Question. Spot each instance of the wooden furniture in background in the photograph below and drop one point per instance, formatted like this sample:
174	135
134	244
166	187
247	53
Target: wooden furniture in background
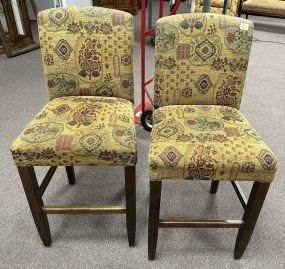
266	8
125	5
17	38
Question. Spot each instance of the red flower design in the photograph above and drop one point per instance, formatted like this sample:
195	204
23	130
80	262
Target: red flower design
120	133
231	37
50	83
125	83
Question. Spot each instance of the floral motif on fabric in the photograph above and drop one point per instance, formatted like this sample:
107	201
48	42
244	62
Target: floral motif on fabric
171	156
64	142
203	84
124	136
202	165
63	49
104	89
39	133
166	37
91	142
167	63
267	160
228	91
183	51
189	24
48	59
248	167
238	40
127	83
204	49
231	114
61	109
84	115
89	58
62	83
204	124
57	18
116	157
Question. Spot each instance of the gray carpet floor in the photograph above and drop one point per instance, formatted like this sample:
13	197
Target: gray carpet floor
98	241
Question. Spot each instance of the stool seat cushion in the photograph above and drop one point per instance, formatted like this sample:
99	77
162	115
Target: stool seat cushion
207	142
85	130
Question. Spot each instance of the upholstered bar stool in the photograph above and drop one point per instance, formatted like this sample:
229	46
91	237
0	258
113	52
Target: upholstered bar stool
198	132
87	55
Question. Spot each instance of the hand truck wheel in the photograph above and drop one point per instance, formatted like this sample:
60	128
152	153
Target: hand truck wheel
152	40
146	119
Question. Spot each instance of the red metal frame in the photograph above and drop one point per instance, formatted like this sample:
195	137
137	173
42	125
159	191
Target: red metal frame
144	34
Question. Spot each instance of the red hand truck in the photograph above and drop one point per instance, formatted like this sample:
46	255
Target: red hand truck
143	112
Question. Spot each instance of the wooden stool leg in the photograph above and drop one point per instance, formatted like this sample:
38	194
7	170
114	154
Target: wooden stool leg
32	191
214	186
130	190
153	219
253	208
70	174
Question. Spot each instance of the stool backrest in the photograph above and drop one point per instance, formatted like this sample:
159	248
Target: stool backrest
87	51
201	58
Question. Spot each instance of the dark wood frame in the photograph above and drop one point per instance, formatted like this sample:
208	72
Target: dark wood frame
133	8
12	43
34	193
246	225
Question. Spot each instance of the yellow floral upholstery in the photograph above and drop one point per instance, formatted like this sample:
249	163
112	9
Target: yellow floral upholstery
88	64
207	142
198	131
217	6
87	51
201	58
79	131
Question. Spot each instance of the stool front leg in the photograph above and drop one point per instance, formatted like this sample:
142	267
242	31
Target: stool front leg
35	201
70	174
153	219
130	192
253	208
214	186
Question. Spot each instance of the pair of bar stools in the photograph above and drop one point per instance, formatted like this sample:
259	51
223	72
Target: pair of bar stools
198	132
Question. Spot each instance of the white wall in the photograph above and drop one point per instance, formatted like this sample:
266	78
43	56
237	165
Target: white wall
76	3
41	5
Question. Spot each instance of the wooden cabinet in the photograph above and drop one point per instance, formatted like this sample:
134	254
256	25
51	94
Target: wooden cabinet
125	5
15	31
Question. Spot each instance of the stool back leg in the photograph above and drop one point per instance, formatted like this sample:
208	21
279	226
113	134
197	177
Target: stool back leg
70	174
214	186
153	221
130	191
34	198
253	208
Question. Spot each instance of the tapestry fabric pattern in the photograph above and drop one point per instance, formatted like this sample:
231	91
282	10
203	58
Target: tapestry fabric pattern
87	51
198	132
207	142
80	130
201	58
87	55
